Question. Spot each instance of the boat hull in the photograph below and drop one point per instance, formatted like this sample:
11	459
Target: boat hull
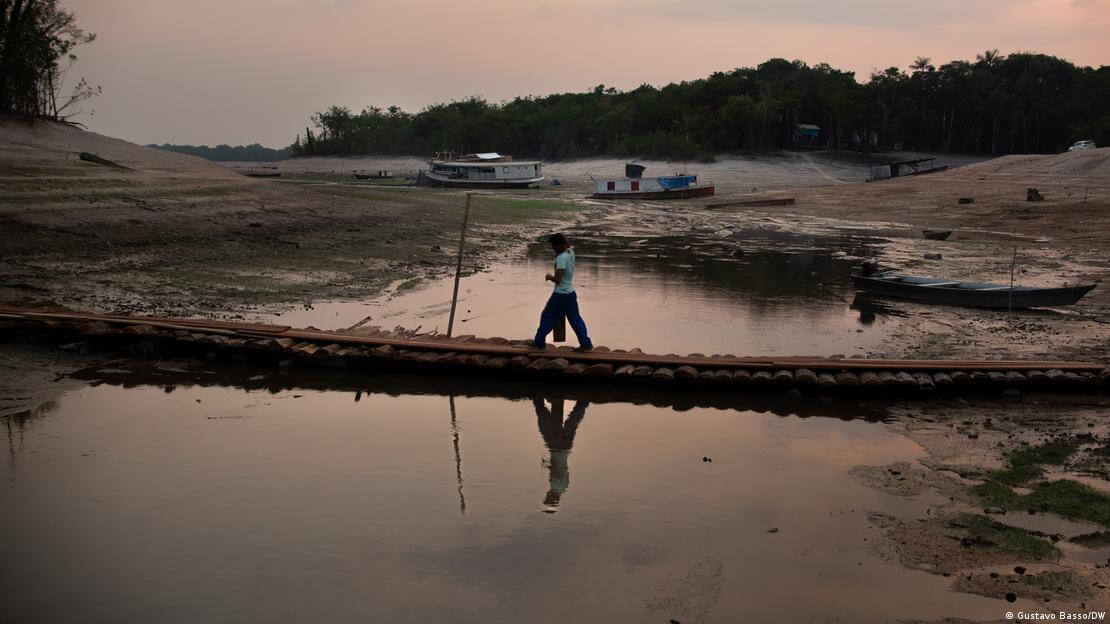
686	193
969	294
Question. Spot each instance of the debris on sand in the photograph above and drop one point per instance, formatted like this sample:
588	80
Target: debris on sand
93	158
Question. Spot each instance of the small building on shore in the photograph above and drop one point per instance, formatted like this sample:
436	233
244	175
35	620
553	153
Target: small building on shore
807	135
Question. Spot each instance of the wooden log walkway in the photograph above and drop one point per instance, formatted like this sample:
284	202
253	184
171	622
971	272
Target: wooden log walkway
500	356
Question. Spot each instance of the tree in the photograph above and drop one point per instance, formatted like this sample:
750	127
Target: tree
37	39
1024	102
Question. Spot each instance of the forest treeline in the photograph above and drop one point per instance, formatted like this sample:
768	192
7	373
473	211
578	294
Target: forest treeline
223	153
996	104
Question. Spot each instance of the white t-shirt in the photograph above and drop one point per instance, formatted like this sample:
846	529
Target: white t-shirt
565	261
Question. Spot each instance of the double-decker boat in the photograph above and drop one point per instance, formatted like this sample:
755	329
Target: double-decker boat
635	186
486	170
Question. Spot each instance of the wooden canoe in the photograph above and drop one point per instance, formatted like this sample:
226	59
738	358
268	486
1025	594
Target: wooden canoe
779	201
972	294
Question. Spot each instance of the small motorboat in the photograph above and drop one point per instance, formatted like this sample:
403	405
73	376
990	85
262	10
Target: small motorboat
936	234
972	294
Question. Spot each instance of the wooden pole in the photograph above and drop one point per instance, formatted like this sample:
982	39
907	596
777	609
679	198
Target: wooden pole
559	332
1013	263
458	266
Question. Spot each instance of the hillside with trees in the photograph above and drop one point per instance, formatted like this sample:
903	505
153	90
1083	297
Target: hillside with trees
1021	103
225	153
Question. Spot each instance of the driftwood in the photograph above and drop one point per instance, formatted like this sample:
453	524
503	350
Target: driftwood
93	158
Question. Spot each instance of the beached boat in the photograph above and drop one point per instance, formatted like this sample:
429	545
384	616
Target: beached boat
487	170
363	174
972	294
936	234
263	171
635	186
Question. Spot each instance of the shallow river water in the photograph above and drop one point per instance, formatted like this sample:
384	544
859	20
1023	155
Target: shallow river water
666	294
140	501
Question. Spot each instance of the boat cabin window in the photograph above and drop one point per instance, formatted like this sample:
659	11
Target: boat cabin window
635	185
610	186
504	169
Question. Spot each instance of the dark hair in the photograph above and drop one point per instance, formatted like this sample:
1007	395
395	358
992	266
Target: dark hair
557	240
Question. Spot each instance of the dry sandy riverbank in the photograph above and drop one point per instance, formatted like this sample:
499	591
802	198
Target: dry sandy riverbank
168	233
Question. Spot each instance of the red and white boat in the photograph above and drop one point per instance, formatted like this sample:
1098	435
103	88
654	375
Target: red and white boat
635	186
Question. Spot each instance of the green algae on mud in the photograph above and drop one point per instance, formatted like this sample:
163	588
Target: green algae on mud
983	532
1064	497
1024	464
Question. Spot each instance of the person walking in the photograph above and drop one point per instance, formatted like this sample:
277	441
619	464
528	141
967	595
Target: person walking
563	300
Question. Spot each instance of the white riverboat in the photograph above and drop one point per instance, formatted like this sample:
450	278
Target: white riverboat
486	170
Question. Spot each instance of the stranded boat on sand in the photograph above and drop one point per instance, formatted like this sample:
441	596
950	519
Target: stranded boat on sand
635	186
973	294
487	170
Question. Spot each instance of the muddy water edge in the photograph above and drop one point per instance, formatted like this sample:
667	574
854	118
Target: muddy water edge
185	491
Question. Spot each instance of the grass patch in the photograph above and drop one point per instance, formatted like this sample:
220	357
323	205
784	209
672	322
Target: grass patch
983	530
1017	475
409	284
1098	539
1055	452
1065	497
367	193
510	210
1024	464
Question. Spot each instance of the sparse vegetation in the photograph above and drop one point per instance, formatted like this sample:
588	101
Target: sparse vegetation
984	532
1024	465
37	39
1063	497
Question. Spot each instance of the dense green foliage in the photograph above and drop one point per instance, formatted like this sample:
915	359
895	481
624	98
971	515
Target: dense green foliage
37	38
1023	103
223	153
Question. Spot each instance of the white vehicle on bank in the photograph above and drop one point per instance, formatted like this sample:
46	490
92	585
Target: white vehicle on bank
1082	145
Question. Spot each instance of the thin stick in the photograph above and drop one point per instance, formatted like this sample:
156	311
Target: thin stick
1010	303
835	279
458	266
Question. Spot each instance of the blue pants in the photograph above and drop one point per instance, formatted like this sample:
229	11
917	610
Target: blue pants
558	306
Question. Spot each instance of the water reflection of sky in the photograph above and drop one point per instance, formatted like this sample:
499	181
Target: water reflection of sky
215	504
665	294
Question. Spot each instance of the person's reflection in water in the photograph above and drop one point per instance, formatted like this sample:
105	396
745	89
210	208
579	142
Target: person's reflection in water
558	436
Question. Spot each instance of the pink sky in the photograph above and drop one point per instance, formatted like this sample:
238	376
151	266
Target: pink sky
244	71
